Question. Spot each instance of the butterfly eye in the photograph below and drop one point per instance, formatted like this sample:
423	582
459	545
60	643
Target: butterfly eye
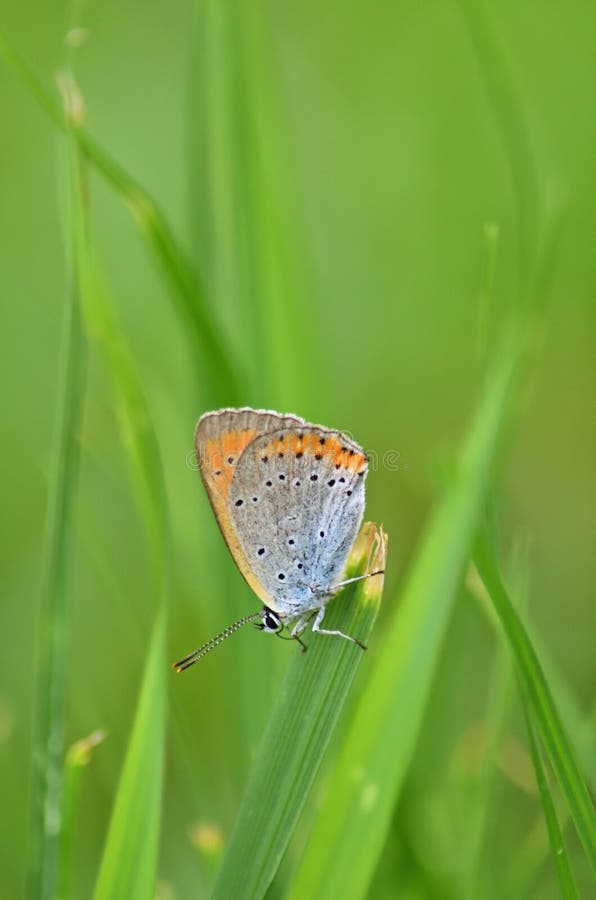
271	622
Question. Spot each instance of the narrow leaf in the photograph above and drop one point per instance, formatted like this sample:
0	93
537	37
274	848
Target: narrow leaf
511	121
558	850
129	862
308	705
479	814
171	259
75	764
46	784
356	812
544	710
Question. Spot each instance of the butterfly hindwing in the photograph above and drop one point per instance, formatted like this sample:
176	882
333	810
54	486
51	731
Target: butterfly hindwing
296	502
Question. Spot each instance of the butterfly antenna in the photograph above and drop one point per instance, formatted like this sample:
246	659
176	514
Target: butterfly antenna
214	642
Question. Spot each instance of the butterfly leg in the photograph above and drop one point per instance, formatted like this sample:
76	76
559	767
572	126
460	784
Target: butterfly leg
300	625
293	637
301	642
318	630
358	578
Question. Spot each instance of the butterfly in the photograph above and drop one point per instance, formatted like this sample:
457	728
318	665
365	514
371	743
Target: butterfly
288	497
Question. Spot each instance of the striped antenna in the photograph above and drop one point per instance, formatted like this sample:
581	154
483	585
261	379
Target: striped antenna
200	652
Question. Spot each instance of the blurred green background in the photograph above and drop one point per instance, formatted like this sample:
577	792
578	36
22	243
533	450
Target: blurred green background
334	186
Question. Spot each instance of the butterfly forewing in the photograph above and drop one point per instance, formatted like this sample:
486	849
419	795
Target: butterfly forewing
220	439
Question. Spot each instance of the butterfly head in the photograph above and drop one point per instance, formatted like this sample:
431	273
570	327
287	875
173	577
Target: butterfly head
270	622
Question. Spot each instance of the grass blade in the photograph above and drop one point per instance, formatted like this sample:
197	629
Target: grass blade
519	578
511	124
103	328
479	811
245	211
560	857
544	711
535	849
280	260
299	729
479	815
47	748
129	862
77	760
356	812
171	259
222	199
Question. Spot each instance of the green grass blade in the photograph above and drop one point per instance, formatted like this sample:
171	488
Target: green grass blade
103	328
544	710
228	242
279	258
181	277
129	862
558	850
479	816
480	810
172	261
299	729
76	762
567	885
535	849
356	812
512	128
245	213
47	747
222	199
577	721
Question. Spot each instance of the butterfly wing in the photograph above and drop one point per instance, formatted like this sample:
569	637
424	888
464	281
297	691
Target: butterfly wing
295	503
220	439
